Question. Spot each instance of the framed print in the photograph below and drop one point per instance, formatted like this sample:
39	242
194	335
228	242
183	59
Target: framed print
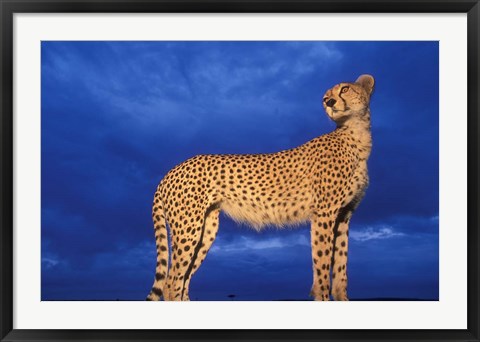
239	170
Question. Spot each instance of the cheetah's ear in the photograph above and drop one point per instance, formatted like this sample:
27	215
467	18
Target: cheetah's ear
367	82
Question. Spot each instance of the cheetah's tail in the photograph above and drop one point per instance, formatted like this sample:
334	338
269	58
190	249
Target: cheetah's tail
161	240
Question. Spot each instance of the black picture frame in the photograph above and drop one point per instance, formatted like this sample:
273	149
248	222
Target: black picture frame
9	7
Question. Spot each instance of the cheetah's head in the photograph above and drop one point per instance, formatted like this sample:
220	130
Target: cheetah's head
346	100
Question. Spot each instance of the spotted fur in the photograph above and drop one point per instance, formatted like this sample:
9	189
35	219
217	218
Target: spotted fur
321	182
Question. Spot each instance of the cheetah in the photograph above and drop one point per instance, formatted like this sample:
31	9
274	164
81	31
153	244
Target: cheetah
321	182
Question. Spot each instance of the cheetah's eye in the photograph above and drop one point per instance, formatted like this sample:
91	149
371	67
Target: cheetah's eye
344	89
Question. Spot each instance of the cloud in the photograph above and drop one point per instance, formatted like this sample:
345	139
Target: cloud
48	263
307	61
255	243
374	234
126	256
396	226
124	272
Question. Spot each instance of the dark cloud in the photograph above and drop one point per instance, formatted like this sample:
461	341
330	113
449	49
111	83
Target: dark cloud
116	116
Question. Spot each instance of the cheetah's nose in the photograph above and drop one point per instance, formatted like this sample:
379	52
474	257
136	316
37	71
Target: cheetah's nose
330	102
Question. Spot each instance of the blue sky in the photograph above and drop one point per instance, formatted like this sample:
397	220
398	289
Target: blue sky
116	116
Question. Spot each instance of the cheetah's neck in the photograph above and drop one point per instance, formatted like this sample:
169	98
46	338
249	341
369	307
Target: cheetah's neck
358	129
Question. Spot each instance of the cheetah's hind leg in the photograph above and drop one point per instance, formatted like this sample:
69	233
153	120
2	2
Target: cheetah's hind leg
188	251
210	233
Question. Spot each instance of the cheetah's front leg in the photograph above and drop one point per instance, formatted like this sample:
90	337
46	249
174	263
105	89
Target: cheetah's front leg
322	246
339	270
